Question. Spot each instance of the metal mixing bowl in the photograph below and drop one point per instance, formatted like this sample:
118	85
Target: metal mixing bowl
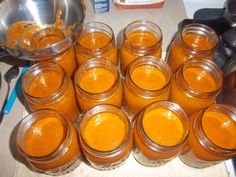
41	12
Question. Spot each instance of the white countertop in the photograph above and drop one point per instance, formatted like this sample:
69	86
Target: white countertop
168	19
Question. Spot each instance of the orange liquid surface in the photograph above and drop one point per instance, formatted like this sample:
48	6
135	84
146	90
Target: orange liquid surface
179	54
200	79
138	39
45	84
105	131
44	136
220	129
198	42
97	80
95	40
163	127
98	41
148	77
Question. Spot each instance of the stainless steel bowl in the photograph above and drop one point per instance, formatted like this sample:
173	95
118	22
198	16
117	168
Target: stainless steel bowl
42	12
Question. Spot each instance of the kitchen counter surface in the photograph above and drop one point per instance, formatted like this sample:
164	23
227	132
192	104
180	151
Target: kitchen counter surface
167	18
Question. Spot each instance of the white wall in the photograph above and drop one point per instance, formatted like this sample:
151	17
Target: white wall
192	5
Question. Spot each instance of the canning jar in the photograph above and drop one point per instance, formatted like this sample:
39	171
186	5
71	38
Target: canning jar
212	137
140	38
45	85
160	132
49	142
196	84
49	36
96	40
193	41
97	81
105	134
147	80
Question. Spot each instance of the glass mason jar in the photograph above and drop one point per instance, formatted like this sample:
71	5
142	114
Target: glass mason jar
106	138
196	85
97	81
34	142
140	38
193	41
160	133
212	137
147	80
45	85
96	40
49	36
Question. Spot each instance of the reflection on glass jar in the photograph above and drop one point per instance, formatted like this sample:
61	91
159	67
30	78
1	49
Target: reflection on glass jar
105	134
160	132
49	142
212	136
193	41
140	38
196	84
96	40
97	81
49	36
147	80
45	85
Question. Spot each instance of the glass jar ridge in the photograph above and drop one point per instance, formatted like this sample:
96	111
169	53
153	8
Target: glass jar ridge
65	157
61	99
200	150
192	97
140	38
193	41
137	97
106	159
102	47
150	153
112	95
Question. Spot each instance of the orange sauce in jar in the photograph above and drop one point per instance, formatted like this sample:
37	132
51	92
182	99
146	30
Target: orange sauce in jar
194	41
105	135
140	38
99	84
50	88
96	40
49	36
159	133
147	80
194	87
212	137
49	142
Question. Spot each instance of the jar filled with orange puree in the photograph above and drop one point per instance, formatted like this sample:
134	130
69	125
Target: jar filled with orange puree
140	38
196	84
193	41
49	36
96	40
212	137
46	85
49	142
147	80
160	133
105	134
97	81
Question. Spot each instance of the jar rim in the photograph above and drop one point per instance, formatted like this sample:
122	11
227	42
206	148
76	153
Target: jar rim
203	29
93	63
26	123
144	26
148	61
101	109
95	27
35	70
173	107
209	66
206	142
